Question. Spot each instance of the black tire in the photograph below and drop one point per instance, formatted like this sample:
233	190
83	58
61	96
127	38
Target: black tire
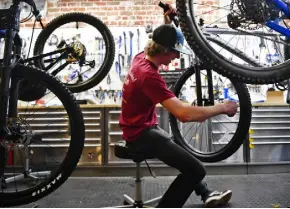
239	136
100	26
74	152
227	68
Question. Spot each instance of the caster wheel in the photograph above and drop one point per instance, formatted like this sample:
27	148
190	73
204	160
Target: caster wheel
125	203
3	184
32	183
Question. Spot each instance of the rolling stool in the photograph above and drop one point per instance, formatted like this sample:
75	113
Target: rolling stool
122	151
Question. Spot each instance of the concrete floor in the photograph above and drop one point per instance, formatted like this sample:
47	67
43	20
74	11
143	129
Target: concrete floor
249	191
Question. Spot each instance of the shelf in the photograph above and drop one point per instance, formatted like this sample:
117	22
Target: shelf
269	143
57	119
66	139
42	112
271	116
270	128
62	124
270	137
116	133
269	122
114	111
63	131
61	145
270	110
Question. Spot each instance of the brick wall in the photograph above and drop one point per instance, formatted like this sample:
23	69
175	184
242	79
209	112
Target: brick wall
112	12
118	12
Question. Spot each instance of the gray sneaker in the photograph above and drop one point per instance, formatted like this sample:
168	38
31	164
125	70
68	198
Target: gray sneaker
216	198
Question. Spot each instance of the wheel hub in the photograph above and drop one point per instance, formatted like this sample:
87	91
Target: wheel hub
78	52
18	132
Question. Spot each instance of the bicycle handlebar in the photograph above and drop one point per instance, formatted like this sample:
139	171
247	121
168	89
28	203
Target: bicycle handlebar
173	17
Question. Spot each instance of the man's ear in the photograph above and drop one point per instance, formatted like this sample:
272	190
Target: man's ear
167	50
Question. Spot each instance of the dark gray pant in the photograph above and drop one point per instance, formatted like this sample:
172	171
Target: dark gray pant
155	142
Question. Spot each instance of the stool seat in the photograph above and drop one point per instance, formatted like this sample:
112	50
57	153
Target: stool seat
123	151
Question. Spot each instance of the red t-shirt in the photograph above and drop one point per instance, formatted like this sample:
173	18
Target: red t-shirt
143	88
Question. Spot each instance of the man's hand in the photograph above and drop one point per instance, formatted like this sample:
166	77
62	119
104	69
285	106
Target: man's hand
170	11
230	108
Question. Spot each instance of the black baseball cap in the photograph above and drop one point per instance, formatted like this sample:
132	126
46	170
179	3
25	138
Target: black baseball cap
171	37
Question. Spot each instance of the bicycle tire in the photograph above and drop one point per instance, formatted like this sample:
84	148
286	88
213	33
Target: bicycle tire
100	26
76	143
227	68
242	129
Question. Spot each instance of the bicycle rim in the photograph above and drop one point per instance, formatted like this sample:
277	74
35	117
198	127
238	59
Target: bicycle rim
220	136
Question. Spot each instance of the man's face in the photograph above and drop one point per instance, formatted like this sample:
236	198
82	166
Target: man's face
167	58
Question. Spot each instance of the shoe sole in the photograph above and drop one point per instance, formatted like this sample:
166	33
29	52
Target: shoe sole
218	200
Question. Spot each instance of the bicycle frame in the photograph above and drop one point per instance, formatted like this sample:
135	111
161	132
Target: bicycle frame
65	51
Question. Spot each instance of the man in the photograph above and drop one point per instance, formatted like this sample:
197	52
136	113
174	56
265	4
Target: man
144	88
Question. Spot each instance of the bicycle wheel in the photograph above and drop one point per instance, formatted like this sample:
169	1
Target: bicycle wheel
46	144
217	138
239	24
89	37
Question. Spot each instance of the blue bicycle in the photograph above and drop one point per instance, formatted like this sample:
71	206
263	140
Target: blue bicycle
258	28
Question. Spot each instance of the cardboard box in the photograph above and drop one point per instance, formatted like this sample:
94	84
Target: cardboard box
275	97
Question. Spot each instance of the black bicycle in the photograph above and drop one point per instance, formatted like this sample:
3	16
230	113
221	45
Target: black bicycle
77	46
220	137
22	134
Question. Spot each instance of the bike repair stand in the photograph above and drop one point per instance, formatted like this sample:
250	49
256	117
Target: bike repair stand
27	172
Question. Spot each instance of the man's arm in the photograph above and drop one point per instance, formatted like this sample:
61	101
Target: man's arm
187	113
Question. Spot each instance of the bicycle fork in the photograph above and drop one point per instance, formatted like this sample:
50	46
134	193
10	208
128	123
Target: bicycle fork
11	95
203	101
5	91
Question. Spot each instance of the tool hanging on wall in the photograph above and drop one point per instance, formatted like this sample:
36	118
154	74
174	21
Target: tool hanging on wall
122	67
53	40
96	49
99	52
125	59
109	79
138	40
118	67
102	50
126	56
118	62
131	34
